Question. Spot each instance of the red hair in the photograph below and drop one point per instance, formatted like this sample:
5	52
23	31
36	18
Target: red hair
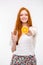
19	23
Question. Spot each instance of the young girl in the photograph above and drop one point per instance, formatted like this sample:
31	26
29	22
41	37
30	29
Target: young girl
23	40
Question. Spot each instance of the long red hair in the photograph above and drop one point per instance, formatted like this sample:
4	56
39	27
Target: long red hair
19	23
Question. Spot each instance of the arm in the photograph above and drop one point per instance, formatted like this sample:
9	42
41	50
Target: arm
13	48
14	39
33	31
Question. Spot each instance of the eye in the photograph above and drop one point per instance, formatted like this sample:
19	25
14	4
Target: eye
21	14
26	14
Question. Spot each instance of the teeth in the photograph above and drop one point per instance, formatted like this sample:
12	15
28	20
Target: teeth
24	18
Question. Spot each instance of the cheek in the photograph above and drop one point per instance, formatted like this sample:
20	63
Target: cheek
21	17
27	17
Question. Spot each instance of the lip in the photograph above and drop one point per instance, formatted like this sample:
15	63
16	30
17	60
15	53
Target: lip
24	18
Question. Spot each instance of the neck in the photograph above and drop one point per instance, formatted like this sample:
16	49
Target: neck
24	24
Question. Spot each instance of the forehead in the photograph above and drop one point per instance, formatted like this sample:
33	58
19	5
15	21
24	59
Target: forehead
23	11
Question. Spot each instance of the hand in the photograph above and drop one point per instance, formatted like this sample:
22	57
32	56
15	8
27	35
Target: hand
14	37
29	33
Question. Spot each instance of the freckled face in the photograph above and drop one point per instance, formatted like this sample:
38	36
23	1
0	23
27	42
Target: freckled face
24	16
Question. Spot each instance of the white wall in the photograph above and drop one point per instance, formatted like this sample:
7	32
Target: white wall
8	13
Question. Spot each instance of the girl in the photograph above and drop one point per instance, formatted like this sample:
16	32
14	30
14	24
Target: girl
23	45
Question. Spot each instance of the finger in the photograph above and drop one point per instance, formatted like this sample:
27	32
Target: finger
17	33
12	33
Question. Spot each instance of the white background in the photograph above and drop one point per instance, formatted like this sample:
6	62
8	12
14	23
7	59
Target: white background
8	13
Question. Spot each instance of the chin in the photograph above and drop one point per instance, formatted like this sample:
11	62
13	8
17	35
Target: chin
24	21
